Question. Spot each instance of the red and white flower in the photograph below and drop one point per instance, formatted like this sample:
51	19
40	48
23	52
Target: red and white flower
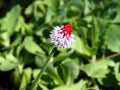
62	36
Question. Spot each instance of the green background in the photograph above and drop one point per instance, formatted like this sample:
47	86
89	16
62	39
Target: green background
92	62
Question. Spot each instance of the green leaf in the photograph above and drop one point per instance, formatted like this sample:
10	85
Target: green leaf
81	47
5	39
28	10
108	81
44	81
6	65
23	27
40	60
95	33
38	9
68	71
26	77
25	57
31	46
16	41
36	72
117	18
112	38
81	85
87	9
96	69
49	15
73	11
52	3
16	77
117	71
50	69
43	87
9	23
63	55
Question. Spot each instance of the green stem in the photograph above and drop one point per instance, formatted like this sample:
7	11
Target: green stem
37	79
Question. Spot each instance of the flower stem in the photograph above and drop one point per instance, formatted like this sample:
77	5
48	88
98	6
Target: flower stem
37	79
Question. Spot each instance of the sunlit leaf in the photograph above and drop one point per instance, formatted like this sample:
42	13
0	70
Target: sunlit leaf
80	46
31	46
10	20
112	38
117	71
26	77
68	71
96	69
50	69
9	23
52	3
49	15
108	81
81	85
6	65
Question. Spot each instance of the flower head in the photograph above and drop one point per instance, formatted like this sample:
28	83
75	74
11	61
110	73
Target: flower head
62	36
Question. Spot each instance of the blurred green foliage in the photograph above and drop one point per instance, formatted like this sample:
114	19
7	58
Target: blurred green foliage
90	63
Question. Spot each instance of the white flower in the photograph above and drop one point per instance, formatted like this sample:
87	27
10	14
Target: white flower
62	36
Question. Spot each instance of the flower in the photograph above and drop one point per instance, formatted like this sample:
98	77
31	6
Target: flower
62	36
